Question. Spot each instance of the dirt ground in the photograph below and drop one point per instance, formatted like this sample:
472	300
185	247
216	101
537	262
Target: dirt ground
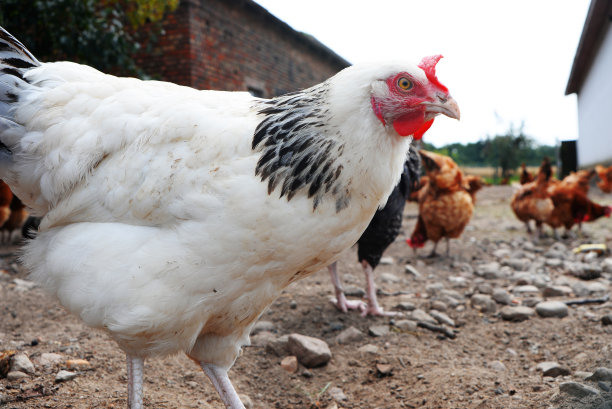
491	363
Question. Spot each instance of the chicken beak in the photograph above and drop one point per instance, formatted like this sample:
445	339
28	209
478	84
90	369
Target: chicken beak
446	105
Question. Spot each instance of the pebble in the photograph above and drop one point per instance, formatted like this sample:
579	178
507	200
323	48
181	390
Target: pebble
577	390
64	375
23	285
498	366
518	264
439	305
552	369
556	309
484	288
278	346
490	270
246	401
606	319
516	314
406	325
434	288
368	349
337	394
483	302
606	265
310	352
378	330
21	363
349	335
420	315
601	374
524	290
263	326
389	278
387	261
405	306
289	363
442	318
557	291
16	375
412	271
49	359
80	364
501	296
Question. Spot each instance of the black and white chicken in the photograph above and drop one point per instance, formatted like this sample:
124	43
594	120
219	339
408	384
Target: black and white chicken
141	187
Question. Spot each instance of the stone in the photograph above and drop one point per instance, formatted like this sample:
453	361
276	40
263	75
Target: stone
262	338
490	270
21	362
553	262
501	296
442	318
439	305
64	375
80	364
606	319
47	359
412	271
378	330
420	315
557	291
387	261
498	366
606	265
389	278
384	369
368	349
483	303
405	306
337	394
577	390
518	264
290	363
263	326
502	253
16	375
524	290
556	309
310	352
601	374
484	288
278	346
434	288
406	325
552	369
584	271
349	335
516	314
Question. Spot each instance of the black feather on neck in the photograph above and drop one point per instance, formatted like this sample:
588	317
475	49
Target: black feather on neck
299	149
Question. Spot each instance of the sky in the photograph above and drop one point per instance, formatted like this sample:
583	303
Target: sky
506	62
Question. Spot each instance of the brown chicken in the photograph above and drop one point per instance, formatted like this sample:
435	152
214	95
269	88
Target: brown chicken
445	206
5	201
525	176
579	180
605	176
473	184
532	201
17	218
572	205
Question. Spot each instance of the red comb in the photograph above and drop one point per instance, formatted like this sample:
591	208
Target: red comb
428	64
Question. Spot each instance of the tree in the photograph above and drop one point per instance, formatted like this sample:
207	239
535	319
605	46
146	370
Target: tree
102	33
504	151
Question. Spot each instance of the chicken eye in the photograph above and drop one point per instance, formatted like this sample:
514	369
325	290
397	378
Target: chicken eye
404	83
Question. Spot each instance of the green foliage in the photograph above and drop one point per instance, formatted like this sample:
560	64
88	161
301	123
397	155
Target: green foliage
103	34
503	152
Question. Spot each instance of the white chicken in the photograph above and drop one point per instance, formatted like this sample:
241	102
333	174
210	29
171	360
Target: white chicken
173	217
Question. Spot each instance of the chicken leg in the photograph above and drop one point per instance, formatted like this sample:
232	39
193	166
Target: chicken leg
223	385
135	369
373	307
340	301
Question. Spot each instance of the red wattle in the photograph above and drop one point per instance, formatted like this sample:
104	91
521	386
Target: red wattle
421	131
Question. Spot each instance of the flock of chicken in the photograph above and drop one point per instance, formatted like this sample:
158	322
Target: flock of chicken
559	203
146	233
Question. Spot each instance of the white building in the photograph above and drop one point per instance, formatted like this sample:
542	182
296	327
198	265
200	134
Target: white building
591	80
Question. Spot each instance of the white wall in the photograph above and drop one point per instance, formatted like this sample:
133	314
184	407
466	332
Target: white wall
594	143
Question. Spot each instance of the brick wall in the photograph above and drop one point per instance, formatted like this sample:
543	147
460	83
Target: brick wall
237	45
